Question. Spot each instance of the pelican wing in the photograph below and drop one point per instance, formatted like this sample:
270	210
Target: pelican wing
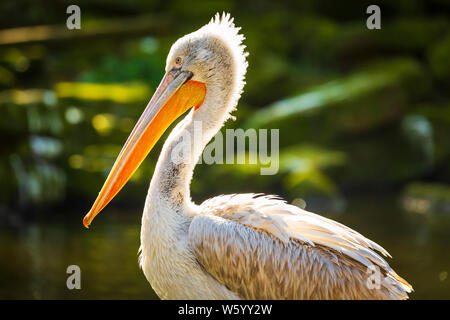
260	247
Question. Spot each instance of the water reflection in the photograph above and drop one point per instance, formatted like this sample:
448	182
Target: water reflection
34	256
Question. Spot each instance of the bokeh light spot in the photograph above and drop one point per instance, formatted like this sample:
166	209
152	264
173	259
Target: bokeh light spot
103	123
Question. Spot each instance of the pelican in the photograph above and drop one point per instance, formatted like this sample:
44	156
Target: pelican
238	246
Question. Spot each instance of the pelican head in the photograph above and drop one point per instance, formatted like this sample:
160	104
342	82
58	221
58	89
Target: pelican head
215	56
205	70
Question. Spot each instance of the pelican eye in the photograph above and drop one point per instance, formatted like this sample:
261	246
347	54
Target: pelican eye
179	61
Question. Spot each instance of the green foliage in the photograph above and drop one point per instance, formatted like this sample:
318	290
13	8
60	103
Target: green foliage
439	55
305	166
356	108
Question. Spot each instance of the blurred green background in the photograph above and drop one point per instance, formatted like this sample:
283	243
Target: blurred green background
364	118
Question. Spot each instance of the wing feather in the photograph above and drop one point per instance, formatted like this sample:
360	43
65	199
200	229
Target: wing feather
263	248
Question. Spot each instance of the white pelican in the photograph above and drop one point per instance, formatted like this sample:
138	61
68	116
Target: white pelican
239	246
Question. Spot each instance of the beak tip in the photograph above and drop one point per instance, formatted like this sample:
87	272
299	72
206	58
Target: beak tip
86	222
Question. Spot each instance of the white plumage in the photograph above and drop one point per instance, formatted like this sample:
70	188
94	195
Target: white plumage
242	246
191	251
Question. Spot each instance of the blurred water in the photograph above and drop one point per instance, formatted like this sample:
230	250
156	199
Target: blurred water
34	256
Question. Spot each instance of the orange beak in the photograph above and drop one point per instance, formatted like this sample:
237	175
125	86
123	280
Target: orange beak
175	94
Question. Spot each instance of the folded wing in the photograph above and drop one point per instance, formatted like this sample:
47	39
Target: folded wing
260	247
